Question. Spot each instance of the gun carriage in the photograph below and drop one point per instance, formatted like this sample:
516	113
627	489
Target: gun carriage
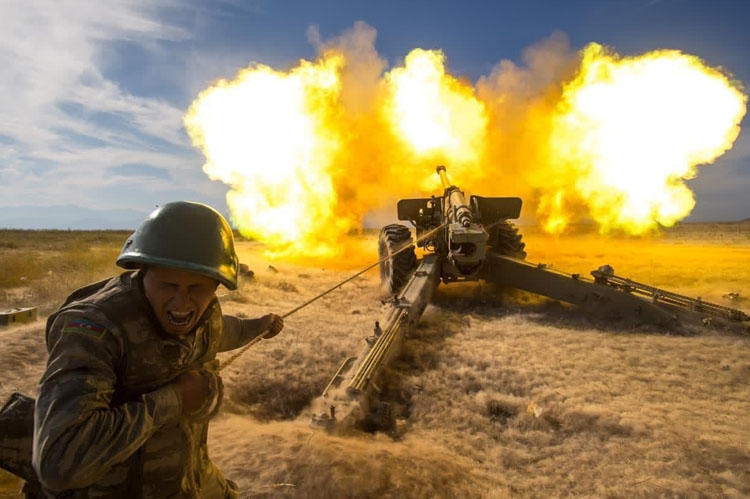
469	241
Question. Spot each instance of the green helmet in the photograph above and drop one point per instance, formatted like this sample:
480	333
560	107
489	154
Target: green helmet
187	236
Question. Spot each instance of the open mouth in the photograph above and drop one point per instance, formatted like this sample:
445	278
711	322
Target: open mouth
179	320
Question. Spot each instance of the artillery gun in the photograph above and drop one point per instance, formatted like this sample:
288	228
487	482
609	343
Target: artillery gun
468	242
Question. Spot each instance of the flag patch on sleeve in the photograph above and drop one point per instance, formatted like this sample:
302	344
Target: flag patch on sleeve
83	326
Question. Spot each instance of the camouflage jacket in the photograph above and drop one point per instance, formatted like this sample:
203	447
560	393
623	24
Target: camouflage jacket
106	422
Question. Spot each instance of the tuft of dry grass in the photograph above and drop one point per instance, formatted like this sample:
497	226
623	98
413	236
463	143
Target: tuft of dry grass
496	393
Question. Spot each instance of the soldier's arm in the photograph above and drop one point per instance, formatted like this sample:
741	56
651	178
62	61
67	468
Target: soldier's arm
238	332
78	435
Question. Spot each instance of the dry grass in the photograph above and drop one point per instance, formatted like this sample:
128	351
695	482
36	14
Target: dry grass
39	268
615	412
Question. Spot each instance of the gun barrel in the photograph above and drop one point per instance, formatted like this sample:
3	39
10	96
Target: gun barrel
457	210
443	176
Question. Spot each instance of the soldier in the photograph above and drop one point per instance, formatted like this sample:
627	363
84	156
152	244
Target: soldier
131	380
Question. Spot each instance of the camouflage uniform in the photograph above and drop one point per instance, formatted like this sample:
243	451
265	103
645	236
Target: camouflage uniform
106	421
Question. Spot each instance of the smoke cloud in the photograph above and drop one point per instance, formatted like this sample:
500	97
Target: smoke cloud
343	137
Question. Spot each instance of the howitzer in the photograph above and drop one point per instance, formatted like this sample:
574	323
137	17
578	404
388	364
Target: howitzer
471	241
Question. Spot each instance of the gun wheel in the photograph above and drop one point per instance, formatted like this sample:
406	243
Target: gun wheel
395	269
506	240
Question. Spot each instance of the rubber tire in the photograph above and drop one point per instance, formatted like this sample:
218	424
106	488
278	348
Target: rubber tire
507	241
395	271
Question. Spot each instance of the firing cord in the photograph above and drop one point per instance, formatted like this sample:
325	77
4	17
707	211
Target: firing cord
252	342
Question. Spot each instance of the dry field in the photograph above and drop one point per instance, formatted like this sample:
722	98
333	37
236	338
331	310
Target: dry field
619	412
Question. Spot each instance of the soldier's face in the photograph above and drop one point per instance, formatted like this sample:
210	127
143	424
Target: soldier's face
178	297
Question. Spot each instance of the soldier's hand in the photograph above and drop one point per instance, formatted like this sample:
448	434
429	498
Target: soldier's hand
272	324
195	389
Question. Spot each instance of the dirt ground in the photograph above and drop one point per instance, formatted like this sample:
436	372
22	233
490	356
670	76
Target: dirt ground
502	394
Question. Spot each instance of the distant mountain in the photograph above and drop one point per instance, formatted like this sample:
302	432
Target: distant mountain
65	217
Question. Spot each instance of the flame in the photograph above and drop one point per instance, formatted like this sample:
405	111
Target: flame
299	158
268	134
310	152
628	131
438	117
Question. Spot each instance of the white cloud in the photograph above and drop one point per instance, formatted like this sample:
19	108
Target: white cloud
50	55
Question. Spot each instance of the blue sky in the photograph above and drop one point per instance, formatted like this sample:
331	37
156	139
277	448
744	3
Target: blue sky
92	93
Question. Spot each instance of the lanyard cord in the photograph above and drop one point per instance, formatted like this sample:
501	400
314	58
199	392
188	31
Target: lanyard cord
424	236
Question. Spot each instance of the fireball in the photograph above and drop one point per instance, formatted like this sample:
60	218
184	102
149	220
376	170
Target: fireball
268	135
436	116
628	131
